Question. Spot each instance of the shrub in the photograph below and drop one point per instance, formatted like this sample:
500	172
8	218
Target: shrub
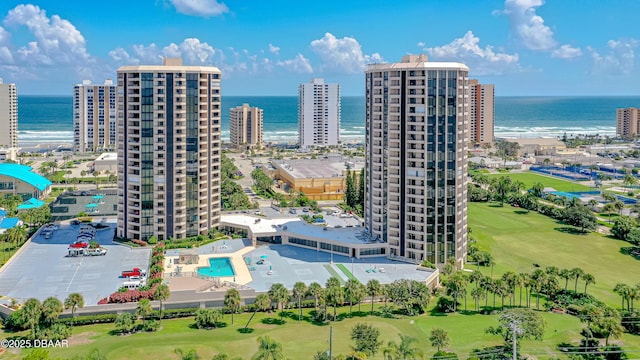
151	325
445	355
139	242
427	264
445	304
152	240
88	319
55	332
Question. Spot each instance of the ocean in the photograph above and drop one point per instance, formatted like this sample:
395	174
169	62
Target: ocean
49	119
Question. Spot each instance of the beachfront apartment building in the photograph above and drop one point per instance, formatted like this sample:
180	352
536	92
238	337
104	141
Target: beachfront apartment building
245	124
318	114
8	115
169	150
417	115
94	116
481	112
628	122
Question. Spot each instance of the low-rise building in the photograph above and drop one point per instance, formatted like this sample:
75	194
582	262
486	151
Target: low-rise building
541	146
318	179
106	162
19	180
8	154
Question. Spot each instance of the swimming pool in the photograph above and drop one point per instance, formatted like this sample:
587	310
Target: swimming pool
218	267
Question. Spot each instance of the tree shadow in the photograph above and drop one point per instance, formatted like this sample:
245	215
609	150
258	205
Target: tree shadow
571	230
632	251
496	205
521	212
273	321
246	330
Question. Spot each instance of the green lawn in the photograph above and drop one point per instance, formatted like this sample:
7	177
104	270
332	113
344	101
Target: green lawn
302	340
529	179
517	241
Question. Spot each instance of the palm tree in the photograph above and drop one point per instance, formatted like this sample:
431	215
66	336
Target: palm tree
51	309
629	180
477	294
262	302
232	300
268	349
566	275
315	290
144	308
73	301
299	292
577	273
522	282
161	293
17	235
588	279
510	280
351	293
280	295
623	290
405	350
332	282
439	338
374	289
31	312
335	297
476	277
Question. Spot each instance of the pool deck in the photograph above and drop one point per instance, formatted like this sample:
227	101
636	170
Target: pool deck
242	277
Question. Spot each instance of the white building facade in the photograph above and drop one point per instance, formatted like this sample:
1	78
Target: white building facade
169	149
94	116
417	115
318	114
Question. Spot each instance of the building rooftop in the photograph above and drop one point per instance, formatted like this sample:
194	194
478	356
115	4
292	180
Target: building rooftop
292	226
24	174
107	156
317	168
418	61
536	141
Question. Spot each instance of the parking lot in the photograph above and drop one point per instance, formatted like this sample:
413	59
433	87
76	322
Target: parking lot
42	268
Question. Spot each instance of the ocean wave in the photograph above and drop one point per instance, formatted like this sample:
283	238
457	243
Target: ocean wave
551	131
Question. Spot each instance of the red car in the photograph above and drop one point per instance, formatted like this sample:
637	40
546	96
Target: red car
79	245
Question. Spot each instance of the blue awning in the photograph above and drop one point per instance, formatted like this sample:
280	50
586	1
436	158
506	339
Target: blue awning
32	203
9	223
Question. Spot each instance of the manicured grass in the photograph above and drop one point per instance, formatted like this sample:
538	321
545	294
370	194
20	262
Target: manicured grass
529	179
303	340
347	272
334	273
518	240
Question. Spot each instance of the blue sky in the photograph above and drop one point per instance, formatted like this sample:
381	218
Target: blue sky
525	47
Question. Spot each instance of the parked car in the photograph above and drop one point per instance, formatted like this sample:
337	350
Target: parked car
292	211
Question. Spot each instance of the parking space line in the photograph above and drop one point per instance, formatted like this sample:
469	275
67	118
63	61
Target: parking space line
74	274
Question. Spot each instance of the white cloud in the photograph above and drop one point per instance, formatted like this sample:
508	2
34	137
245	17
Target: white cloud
5	54
566	52
421	44
204	8
56	40
527	26
342	55
298	64
191	50
274	49
481	61
619	59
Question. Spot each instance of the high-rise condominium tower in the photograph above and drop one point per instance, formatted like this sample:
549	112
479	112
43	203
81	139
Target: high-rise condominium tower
8	115
168	150
481	111
94	116
628	122
416	146
318	114
246	126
